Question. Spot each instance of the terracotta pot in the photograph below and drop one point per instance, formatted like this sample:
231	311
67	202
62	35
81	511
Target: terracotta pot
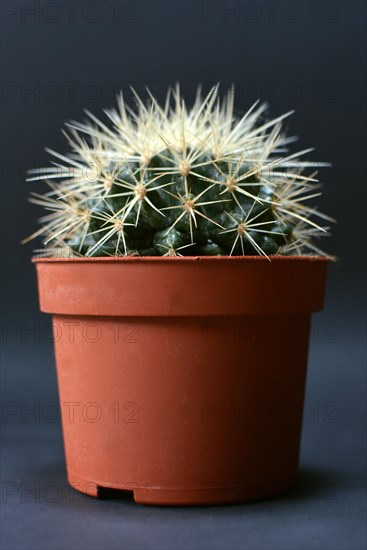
182	379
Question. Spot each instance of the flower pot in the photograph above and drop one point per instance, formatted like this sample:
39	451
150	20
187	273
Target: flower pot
182	379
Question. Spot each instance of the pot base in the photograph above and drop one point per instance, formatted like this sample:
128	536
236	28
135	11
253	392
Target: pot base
207	495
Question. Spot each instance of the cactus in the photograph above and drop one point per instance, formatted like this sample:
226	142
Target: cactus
173	181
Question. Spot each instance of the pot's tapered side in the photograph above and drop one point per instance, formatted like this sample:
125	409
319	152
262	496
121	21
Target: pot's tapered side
182	409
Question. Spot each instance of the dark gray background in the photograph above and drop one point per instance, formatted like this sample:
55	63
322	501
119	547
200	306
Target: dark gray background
60	57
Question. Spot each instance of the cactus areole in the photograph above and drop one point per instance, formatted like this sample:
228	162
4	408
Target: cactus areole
180	267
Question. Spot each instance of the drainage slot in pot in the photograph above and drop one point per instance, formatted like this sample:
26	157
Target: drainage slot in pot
110	493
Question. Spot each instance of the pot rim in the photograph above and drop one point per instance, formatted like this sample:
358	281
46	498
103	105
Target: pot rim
160	259
149	286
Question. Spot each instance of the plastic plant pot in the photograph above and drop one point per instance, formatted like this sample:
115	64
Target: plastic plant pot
182	379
